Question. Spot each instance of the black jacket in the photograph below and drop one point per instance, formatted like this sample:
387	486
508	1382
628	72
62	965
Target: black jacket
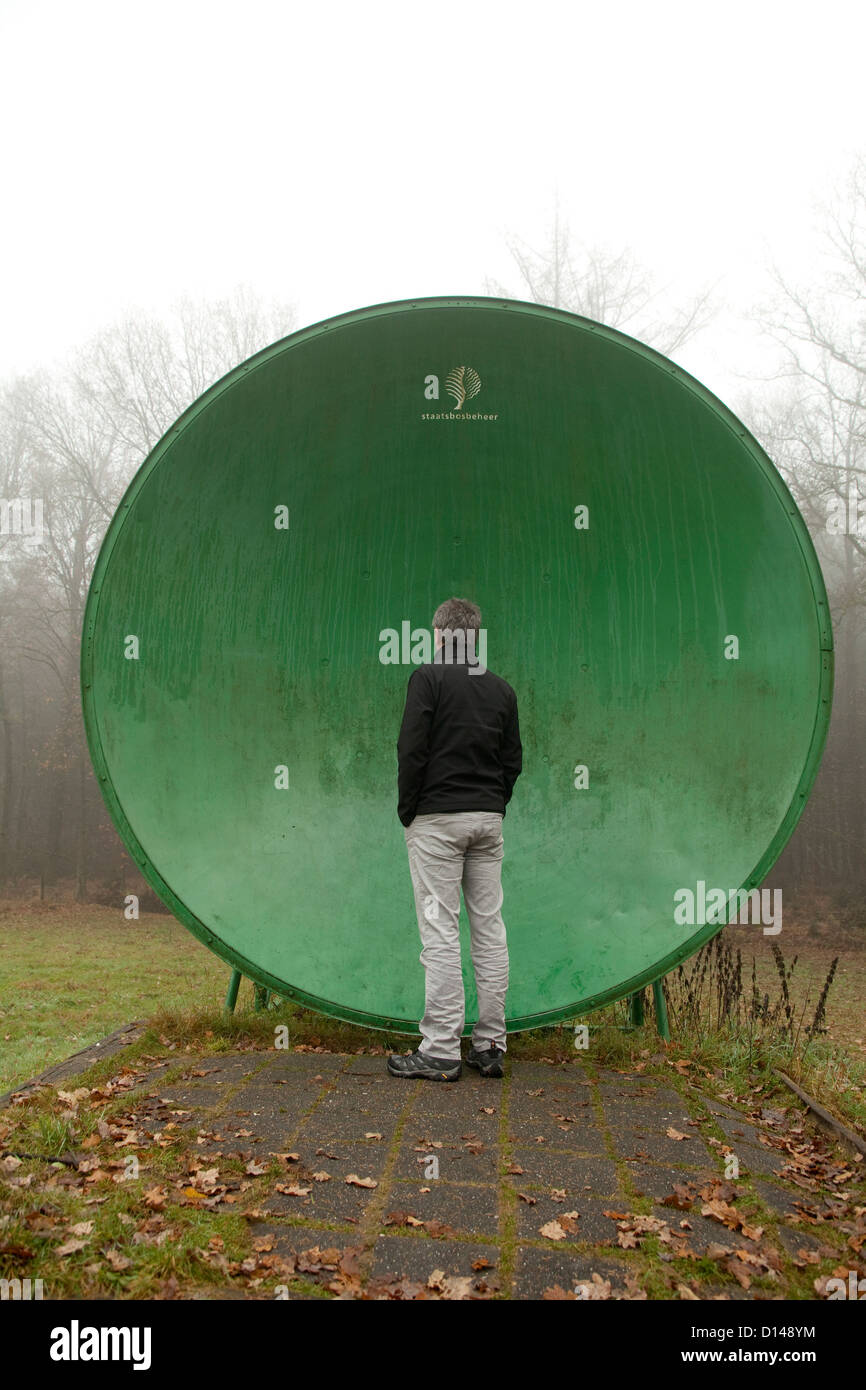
459	745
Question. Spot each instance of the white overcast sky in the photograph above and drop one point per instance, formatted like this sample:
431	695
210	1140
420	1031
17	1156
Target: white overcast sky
338	154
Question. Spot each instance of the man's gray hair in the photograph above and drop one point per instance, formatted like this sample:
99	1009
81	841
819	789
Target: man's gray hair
458	615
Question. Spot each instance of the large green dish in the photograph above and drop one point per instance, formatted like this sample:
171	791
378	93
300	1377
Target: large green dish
259	647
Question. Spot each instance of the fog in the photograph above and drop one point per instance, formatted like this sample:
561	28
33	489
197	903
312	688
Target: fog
273	165
340	155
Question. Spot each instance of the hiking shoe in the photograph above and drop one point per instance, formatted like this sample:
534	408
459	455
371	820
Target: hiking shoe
417	1064
488	1061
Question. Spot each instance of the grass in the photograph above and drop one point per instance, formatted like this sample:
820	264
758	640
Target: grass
70	974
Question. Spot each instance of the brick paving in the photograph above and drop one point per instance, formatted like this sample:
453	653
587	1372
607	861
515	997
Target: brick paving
468	1176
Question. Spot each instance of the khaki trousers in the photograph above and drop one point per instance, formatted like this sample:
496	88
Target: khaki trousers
448	850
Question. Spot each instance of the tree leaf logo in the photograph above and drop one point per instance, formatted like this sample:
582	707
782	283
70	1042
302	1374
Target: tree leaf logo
462	383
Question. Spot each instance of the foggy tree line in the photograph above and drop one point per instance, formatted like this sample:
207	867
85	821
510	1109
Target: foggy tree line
813	425
75	436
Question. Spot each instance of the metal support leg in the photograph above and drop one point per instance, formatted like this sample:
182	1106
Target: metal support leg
636	1009
262	998
232	995
661	1010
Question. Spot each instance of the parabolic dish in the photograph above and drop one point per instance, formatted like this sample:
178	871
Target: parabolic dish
618	527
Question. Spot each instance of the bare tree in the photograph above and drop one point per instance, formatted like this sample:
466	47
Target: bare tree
821	331
611	287
142	373
814	426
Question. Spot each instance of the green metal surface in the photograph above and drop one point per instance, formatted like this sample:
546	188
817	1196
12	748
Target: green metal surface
232	992
636	1009
661	1009
259	649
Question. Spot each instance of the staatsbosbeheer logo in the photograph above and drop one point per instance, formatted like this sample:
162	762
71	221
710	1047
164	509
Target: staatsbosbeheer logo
464	384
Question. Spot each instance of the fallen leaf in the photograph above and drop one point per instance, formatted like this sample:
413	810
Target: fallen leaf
71	1247
751	1232
596	1290
117	1261
739	1271
682	1197
350	1261
720	1211
553	1231
456	1287
402	1218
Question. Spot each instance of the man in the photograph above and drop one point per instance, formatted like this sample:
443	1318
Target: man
459	756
